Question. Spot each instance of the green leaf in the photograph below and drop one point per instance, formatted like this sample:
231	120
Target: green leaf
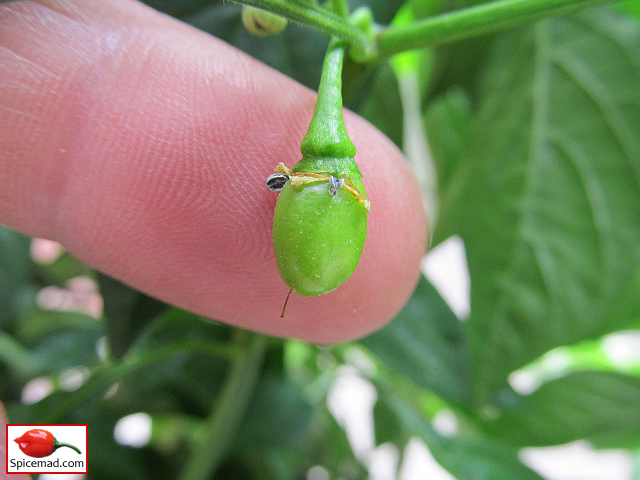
63	269
425	343
459	64
479	458
547	199
277	417
448	124
332	449
131	463
179	326
382	105
15	270
601	407
19	361
269	464
126	311
179	350
631	8
71	343
466	457
388	428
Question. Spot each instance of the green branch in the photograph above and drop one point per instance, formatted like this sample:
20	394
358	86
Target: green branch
229	409
472	22
373	45
307	13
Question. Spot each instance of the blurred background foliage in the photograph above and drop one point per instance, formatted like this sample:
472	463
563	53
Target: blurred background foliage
534	135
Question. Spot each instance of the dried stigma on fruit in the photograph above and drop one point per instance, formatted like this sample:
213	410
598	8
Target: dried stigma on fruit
277	181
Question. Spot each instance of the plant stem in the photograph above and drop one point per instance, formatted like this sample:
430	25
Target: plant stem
229	409
473	21
309	14
327	135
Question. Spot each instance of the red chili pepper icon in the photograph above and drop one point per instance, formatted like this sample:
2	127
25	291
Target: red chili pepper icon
40	443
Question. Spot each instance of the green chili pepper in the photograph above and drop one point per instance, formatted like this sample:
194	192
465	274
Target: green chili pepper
261	22
320	219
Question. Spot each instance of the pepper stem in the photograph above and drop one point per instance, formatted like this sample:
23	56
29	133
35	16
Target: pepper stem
57	445
327	135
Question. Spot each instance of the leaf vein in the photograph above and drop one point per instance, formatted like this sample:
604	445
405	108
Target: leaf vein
585	78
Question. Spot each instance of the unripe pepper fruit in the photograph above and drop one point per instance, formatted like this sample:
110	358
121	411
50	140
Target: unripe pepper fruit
261	22
40	443
320	219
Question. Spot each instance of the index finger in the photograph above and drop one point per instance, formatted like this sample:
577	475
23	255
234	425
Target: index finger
143	145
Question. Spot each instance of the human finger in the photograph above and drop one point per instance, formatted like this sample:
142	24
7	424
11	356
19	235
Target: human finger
142	145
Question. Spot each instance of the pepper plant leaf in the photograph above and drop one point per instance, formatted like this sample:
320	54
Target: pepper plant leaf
470	456
278	416
15	271
425	343
601	407
126	312
547	199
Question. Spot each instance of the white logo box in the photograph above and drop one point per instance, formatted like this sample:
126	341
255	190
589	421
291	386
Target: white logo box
62	460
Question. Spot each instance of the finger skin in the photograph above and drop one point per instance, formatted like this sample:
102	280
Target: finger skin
3	452
143	145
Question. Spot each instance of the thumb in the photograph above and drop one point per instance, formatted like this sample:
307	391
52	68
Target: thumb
143	145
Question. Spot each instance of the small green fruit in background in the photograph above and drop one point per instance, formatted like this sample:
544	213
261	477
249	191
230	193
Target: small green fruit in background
261	22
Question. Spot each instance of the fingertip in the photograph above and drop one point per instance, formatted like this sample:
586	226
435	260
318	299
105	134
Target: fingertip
150	165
